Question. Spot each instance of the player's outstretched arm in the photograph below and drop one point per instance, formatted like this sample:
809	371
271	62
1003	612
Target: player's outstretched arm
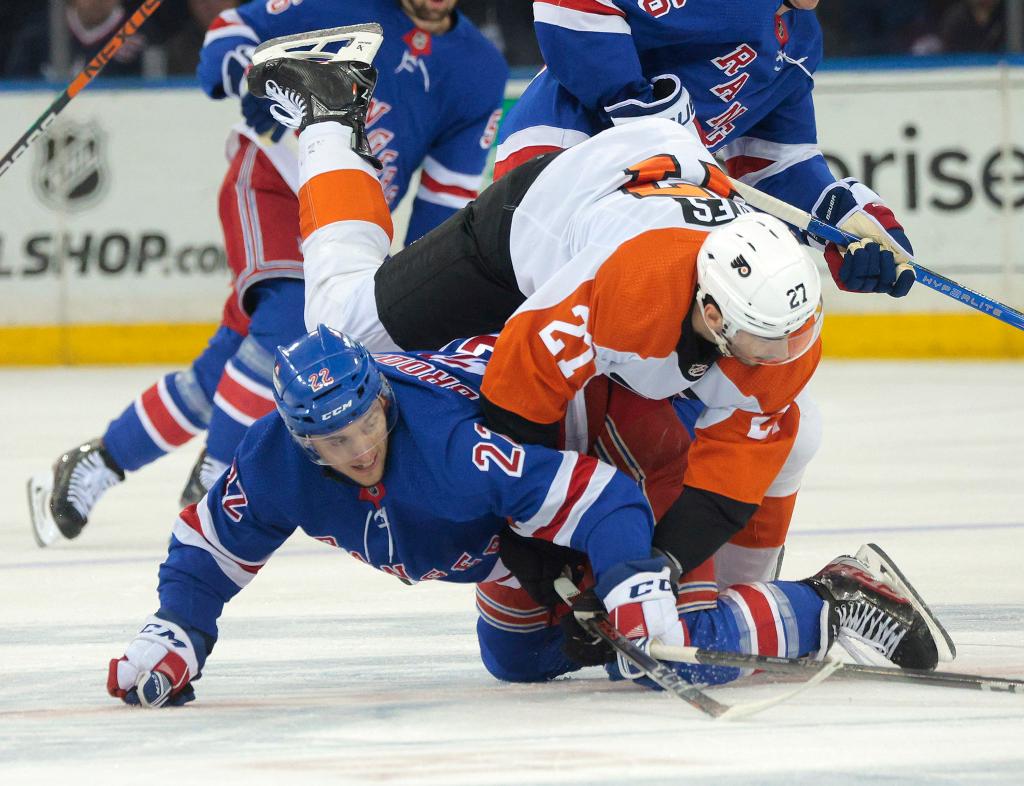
218	545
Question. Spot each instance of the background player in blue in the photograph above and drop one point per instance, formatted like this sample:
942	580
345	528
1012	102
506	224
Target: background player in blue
386	457
745	67
436	105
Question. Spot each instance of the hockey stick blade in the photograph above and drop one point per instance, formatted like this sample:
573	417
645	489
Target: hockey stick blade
666	677
848	671
801	219
363	43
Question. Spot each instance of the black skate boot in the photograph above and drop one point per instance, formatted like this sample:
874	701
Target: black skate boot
204	474
870	615
80	477
194	488
306	91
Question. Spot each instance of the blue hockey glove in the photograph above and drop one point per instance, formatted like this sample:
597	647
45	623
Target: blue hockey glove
158	666
868	266
256	112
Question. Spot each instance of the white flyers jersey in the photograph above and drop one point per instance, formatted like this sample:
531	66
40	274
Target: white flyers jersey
604	245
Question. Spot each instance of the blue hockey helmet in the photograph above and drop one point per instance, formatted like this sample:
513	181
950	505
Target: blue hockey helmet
325	382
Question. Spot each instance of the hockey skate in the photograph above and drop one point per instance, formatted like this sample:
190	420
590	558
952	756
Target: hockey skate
44	528
60	503
194	488
204	474
307	83
875	614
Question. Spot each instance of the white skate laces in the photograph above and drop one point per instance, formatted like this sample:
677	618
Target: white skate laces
89	479
868	626
289	106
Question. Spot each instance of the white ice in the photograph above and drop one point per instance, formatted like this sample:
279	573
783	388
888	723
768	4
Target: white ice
329	672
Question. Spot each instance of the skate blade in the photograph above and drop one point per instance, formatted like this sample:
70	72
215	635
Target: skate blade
44	528
363	43
881	562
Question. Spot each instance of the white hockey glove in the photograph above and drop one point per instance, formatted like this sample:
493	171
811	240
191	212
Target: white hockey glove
640	597
670	100
157	667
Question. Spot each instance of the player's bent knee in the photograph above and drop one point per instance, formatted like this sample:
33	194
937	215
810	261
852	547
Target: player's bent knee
522	657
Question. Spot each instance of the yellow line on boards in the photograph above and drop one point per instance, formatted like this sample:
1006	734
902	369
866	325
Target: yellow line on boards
917	336
47	345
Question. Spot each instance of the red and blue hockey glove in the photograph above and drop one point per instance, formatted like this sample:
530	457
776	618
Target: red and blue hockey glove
868	266
640	597
157	668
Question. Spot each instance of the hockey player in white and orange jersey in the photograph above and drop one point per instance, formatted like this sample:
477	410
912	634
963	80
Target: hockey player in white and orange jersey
627	256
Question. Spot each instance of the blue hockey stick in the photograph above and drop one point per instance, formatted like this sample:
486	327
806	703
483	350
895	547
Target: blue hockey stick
945	286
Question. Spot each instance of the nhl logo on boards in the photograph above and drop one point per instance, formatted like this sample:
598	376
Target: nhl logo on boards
71	170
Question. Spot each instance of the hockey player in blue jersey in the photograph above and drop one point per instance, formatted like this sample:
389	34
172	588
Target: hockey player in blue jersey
387	458
744	68
436	104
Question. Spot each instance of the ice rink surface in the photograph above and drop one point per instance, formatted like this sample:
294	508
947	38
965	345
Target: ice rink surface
329	672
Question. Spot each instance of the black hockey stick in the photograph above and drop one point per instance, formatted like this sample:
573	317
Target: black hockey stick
665	677
92	68
849	671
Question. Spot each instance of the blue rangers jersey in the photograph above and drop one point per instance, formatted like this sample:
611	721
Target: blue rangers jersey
748	70
437	102
449	487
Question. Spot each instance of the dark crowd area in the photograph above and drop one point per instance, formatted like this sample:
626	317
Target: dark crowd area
169	43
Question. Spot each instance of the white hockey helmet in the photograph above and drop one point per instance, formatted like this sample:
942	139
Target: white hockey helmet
765	285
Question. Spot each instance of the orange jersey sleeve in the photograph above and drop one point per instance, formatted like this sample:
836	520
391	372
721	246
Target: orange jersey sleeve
740	447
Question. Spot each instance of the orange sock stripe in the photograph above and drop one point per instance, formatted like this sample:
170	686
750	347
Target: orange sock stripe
342	195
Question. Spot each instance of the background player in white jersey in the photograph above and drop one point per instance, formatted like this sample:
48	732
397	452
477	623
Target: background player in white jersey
624	258
745	68
386	457
436	105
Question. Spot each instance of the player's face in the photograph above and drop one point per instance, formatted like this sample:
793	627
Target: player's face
429	10
359	450
754	350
